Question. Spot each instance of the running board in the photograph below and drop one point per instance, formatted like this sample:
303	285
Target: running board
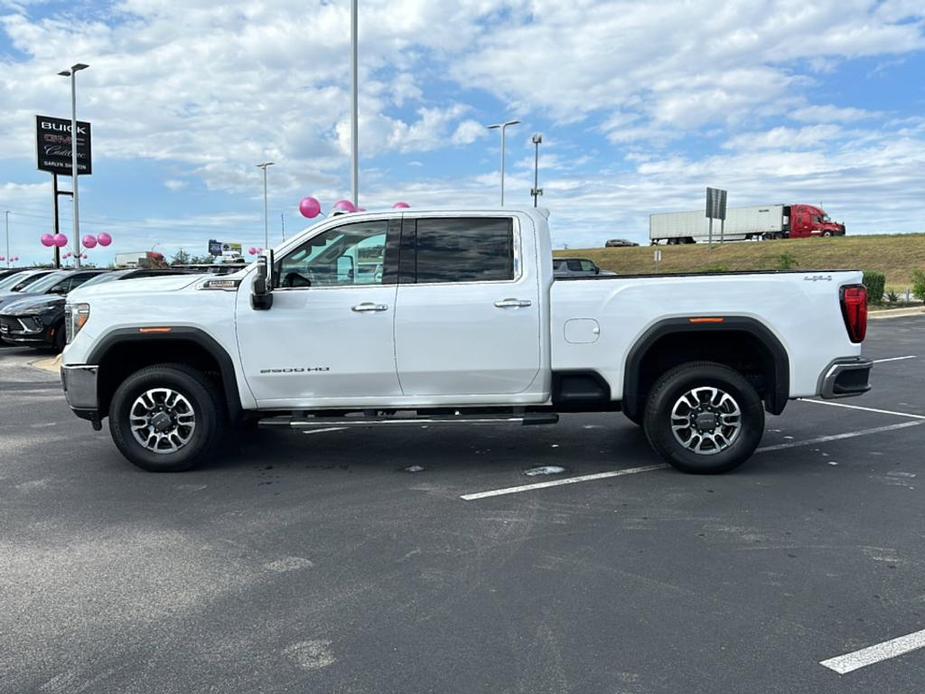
528	419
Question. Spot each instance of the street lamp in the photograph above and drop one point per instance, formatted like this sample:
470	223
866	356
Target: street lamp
7	213
355	127
503	127
266	224
536	192
72	73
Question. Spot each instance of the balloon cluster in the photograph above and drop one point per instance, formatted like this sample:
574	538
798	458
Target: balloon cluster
89	241
311	208
254	251
11	259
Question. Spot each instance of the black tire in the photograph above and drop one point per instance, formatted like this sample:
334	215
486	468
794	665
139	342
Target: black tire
715	457
202	397
60	338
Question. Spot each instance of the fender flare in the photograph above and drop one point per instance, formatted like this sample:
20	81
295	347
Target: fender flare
779	392
178	334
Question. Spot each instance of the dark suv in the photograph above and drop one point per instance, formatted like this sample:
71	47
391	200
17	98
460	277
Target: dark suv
38	320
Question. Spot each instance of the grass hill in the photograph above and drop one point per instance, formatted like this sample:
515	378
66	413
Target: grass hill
895	255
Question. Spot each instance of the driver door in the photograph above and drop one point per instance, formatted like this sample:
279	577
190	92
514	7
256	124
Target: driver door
328	340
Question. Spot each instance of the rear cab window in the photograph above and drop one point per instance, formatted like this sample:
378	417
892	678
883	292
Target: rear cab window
459	249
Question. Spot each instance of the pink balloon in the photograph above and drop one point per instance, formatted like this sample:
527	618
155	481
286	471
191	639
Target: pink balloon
2	258
345	206
89	241
104	239
310	207
60	240
84	256
252	250
401	206
48	240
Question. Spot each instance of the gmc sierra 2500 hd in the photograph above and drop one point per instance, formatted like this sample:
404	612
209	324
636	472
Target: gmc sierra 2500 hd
455	314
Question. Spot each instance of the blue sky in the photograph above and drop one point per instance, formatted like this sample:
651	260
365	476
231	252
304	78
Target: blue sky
641	105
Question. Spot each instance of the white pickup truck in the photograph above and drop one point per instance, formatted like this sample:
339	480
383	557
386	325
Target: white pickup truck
456	315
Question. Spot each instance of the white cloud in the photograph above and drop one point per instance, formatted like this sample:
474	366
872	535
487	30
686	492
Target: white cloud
175	184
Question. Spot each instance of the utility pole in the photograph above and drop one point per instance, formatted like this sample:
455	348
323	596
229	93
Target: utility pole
266	220
355	128
72	73
536	192
7	213
282	224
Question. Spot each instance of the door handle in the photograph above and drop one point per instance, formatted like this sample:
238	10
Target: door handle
369	306
513	303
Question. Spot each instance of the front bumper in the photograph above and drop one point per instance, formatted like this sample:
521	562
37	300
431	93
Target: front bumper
846	377
79	384
27	330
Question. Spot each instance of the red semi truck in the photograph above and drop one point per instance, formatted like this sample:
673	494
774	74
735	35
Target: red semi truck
744	224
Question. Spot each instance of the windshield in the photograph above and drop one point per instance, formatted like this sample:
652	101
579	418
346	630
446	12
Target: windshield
8	282
45	283
100	279
23	280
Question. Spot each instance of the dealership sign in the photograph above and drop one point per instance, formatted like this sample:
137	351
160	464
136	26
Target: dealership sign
53	146
224	248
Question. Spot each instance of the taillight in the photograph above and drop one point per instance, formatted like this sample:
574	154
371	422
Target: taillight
854	310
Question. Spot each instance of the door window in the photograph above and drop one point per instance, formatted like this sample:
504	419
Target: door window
474	249
588	266
348	255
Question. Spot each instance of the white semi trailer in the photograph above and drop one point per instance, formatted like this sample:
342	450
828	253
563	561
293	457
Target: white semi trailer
743	224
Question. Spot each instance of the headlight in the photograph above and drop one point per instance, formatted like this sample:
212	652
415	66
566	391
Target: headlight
75	317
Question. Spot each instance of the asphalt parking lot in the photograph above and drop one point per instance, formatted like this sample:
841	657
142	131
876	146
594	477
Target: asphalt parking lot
314	560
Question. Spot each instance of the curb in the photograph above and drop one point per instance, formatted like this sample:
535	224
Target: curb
50	364
896	313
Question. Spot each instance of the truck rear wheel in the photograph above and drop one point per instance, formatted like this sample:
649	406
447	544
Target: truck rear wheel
166	418
704	418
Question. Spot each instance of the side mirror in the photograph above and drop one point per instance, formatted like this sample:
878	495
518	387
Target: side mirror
262	291
597	270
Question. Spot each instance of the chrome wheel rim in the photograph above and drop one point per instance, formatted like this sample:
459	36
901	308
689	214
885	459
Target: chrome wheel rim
706	420
162	420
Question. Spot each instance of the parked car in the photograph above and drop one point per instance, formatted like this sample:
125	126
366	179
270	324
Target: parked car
576	267
37	320
465	321
620	243
58	282
19	280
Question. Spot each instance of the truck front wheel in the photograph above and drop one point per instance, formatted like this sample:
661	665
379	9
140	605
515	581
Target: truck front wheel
166	418
704	418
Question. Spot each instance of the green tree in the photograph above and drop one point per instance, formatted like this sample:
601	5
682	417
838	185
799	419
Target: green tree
181	257
918	285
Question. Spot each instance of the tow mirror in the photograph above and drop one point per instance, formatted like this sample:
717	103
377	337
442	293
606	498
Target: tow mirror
262	291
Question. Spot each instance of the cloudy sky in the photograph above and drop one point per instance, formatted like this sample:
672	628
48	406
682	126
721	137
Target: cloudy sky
641	105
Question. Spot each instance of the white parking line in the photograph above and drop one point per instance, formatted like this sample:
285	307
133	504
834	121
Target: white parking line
558	483
321	431
881	361
863	409
837	437
874	654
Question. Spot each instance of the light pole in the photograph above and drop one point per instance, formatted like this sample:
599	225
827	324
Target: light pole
266	224
355	128
536	192
72	73
503	127
7	213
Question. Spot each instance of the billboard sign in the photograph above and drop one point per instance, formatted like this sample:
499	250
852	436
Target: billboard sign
53	146
217	248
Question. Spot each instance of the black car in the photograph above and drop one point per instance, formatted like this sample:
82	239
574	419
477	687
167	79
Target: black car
35	316
38	320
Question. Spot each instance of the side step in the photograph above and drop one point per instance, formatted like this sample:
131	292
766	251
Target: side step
525	419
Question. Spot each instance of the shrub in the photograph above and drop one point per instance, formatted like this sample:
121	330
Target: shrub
875	283
918	285
892	297
786	261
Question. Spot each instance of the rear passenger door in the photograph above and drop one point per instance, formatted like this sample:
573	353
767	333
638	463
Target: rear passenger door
467	317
